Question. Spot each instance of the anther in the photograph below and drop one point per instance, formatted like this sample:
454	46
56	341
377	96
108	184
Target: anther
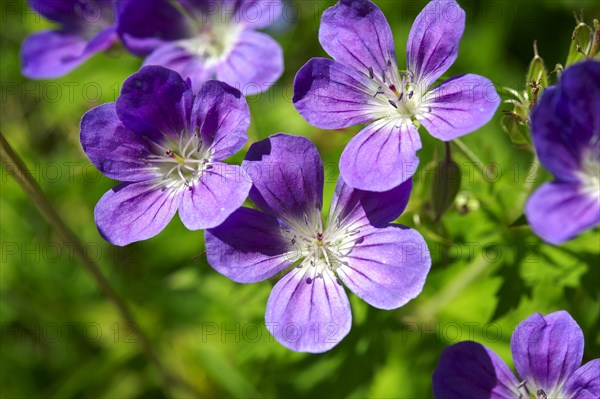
294	240
306	218
389	63
410	94
541	394
308	280
393	104
371	73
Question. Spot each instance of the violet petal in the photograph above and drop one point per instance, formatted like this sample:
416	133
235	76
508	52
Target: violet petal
381	156
248	247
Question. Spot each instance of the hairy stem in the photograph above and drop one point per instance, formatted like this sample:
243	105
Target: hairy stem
468	153
10	159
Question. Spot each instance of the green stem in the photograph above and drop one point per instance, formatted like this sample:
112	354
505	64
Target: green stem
428	310
528	185
10	159
467	152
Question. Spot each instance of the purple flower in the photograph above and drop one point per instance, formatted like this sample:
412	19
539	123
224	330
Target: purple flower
308	310
85	28
363	85
565	127
206	39
547	351
166	144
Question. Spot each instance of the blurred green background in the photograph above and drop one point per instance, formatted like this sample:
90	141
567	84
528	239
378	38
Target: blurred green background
62	339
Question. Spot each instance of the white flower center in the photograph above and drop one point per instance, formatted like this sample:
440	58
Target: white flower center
178	163
397	92
528	390
589	174
214	41
316	247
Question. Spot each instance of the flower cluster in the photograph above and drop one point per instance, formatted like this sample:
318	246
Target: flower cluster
85	28
547	351
363	85
166	144
201	40
177	120
565	127
308	310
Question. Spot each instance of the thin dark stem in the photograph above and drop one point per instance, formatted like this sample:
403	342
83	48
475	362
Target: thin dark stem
447	151
11	159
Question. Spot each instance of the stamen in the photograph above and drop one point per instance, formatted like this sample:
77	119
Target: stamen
523	390
379	91
183	151
371	73
541	394
393	104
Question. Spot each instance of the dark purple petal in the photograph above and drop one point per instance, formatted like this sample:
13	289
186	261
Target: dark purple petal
458	106
330	95
578	105
381	156
585	382
155	101
73	13
254	63
115	150
257	14
178	58
356	33
135	212
248	247
565	123
355	207
558	212
254	14
307	313
222	116
287	173
143	28
469	370
55	10
547	349
51	54
387	267
433	40
552	145
211	199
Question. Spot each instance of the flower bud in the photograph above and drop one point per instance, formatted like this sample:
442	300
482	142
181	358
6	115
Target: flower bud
517	129
445	186
537	77
581	43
